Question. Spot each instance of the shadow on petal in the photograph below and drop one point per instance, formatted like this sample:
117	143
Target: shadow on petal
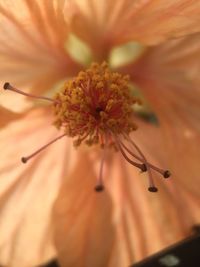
7	116
168	75
84	233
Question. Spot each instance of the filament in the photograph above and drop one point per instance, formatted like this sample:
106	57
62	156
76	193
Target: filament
142	167
99	186
8	86
152	187
164	173
25	159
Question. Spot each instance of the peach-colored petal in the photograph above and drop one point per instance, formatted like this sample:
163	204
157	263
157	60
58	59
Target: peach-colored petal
7	116
169	77
142	223
105	23
84	234
32	44
27	192
147	222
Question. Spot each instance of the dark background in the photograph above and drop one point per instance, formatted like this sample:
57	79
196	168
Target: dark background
183	254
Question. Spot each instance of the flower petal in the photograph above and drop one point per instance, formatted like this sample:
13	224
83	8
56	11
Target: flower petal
107	23
7	116
32	44
148	222
169	77
27	192
84	233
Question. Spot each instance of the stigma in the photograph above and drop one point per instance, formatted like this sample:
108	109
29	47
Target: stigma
96	108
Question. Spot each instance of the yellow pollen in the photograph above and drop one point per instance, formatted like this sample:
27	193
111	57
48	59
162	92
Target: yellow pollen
98	102
96	107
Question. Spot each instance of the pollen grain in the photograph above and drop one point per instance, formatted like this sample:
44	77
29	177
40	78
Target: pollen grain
95	103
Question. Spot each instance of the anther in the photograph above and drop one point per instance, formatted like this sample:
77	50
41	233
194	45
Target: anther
6	86
143	167
166	174
23	160
153	189
99	188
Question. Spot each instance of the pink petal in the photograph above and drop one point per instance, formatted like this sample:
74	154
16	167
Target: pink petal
84	234
169	77
27	192
104	23
32	40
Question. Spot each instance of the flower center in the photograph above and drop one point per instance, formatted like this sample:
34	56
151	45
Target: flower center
97	107
98	102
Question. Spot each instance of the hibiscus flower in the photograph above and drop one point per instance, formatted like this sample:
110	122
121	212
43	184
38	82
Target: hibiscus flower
48	205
